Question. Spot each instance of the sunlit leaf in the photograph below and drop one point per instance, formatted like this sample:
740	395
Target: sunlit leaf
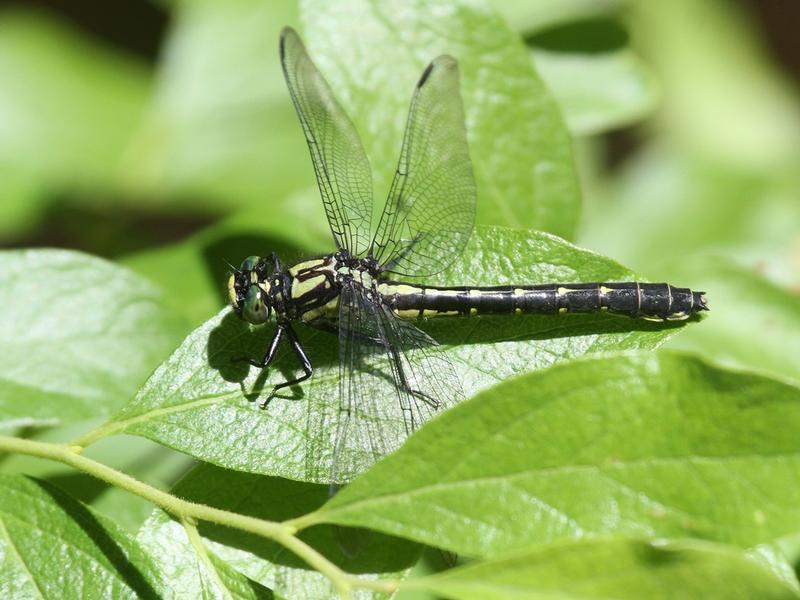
643	444
79	335
612	568
52	546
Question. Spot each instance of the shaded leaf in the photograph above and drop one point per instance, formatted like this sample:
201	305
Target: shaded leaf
258	558
51	546
373	54
612	568
656	445
202	403
79	335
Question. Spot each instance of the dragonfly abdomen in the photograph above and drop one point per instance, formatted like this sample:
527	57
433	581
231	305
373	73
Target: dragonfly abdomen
655	301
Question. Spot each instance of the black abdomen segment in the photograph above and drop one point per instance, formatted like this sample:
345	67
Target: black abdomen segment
656	301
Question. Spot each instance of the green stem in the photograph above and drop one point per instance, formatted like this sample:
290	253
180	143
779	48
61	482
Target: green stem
283	533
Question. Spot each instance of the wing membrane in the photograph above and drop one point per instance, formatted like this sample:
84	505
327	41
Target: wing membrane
393	377
340	163
430	211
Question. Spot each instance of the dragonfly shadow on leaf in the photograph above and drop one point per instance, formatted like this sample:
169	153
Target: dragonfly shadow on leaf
233	339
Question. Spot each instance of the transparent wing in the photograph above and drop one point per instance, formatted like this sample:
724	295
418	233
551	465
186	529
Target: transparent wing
430	211
393	377
340	163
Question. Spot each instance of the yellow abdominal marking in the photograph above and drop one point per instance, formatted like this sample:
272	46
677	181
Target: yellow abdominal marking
439	313
562	310
407	313
388	289
604	290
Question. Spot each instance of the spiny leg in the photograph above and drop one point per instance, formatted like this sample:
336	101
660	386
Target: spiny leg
305	362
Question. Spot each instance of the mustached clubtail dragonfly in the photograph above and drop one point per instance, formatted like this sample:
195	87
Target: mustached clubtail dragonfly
425	224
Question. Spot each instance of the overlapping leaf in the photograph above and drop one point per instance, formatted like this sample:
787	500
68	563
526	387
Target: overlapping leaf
655	445
612	568
78	335
51	546
369	554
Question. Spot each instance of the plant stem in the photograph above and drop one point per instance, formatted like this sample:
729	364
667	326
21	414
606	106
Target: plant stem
283	533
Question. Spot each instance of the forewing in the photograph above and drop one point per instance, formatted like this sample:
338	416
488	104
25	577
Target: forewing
430	211
340	163
393	377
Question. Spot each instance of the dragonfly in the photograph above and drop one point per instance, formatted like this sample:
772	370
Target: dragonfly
425	224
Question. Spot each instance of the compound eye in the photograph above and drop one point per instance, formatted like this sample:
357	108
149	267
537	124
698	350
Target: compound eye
249	263
254	310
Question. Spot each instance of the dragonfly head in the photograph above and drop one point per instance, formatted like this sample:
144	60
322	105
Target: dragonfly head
248	291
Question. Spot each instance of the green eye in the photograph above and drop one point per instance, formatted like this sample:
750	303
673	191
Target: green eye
255	311
249	263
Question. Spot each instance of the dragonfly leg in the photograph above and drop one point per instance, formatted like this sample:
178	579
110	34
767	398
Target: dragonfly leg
308	370
269	355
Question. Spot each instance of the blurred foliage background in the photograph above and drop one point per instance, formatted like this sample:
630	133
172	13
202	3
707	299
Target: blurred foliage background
160	135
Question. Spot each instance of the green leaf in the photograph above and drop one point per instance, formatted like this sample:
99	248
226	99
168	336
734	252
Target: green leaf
612	568
221	130
656	445
373	54
201	403
68	108
190	565
258	558
51	546
135	456
746	307
598	91
79	335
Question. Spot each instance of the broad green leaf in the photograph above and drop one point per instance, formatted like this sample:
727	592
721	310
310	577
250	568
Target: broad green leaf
190	565
78	335
220	130
640	444
373	55
746	307
598	91
68	107
202	403
258	558
52	546
612	568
